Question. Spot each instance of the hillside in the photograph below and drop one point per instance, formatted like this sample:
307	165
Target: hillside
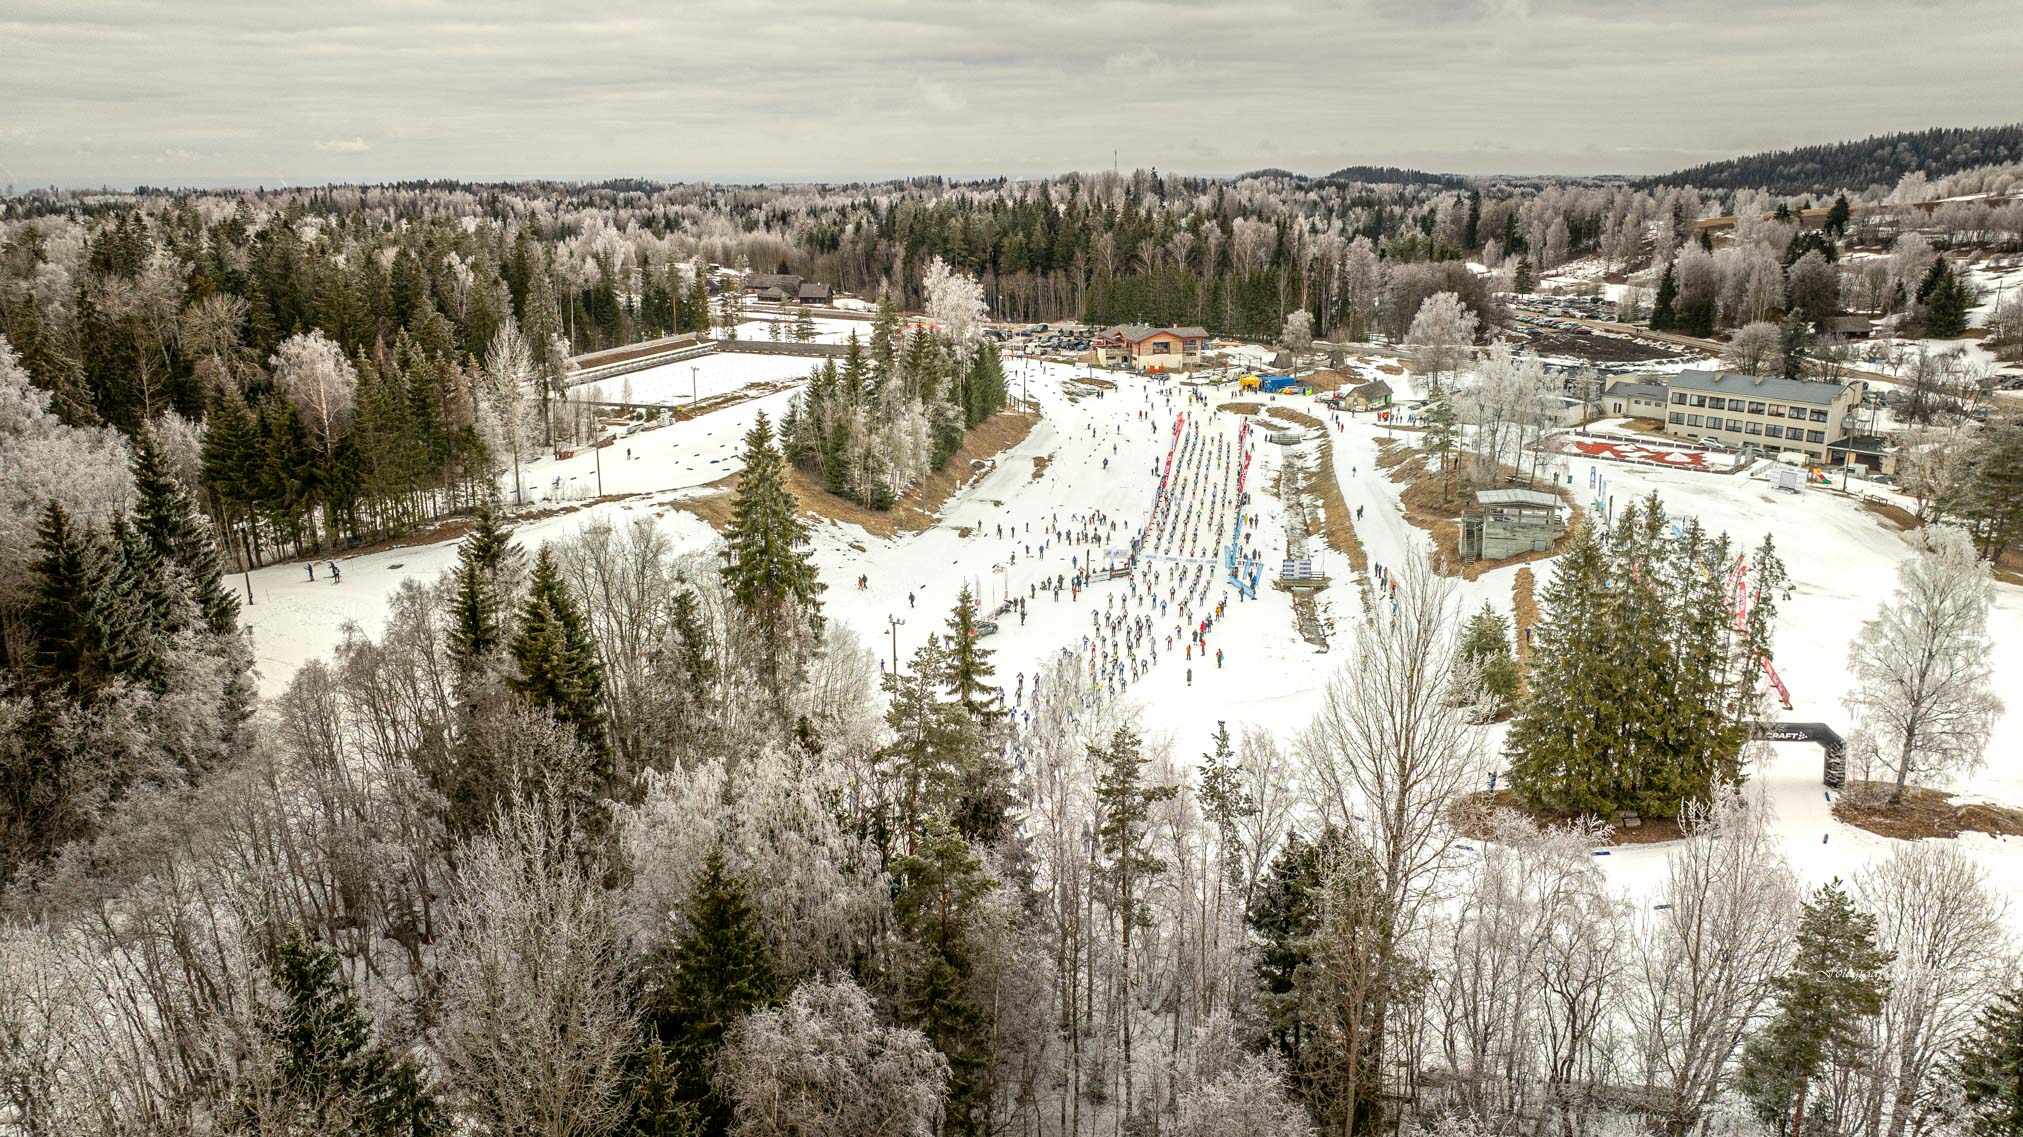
1878	160
1393	175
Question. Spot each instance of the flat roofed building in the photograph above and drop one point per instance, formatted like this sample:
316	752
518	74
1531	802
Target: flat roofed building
1509	523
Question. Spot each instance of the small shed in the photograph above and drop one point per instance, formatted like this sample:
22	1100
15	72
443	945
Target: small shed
1364	396
1509	523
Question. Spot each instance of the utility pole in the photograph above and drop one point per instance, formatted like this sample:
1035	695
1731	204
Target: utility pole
597	455
895	623
694	386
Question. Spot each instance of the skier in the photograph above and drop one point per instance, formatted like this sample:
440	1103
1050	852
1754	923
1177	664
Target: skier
909	600
335	576
311	566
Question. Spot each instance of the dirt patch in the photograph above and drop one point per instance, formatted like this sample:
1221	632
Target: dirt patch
1287	414
1470	816
917	507
1392	367
1241	408
1524	604
1325	381
1338	527
1428	504
1899	517
1391	454
1923	813
1040	464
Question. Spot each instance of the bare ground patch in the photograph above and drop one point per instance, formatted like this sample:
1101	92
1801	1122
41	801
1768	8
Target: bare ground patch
1241	408
1040	464
1899	517
1338	527
1922	813
1524	606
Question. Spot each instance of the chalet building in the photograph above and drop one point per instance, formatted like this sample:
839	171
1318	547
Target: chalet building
772	287
1148	348
813	293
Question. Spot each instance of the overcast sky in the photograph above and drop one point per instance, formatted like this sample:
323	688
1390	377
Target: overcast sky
181	91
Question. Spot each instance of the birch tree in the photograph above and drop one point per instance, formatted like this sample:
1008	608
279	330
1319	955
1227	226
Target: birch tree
508	392
1923	699
312	373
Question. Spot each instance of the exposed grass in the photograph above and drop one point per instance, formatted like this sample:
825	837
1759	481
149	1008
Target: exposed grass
1470	816
1428	504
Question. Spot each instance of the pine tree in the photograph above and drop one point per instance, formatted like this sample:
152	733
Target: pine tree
559	669
1124	806
1837	217
932	744
804	325
1664	314
1284	918
938	890
328	1071
718	970
766	565
168	519
1559	740
970	669
1523	279
885	336
1946	299
1988	1068
1836	983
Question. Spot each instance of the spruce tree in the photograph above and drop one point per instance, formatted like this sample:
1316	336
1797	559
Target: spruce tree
66	648
1664	307
1127	863
1793	337
1485	644
885	336
1988	1068
329	1072
559	669
477	594
932	745
169	521
766	565
970	669
1559	741
1523	279
718	970
938	891
1946	300
1284	919
1836	983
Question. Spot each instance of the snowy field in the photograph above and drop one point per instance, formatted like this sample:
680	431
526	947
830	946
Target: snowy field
1841	558
827	330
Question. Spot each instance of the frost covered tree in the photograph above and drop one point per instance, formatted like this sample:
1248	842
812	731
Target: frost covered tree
1945	931
1128	867
1442	334
535	1027
955	301
1297	335
1753	348
1707	954
1250	1099
312	372
86	470
1984	1066
508	395
823	1063
1923	699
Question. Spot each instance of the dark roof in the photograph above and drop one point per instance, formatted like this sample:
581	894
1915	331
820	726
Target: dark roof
785	281
1372	389
1759	386
1137	333
1635	389
810	290
1865	444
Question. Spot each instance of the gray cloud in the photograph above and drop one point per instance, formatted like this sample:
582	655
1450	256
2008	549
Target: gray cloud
213	90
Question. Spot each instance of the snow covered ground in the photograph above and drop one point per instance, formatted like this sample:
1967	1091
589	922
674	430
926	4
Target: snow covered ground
1841	558
705	376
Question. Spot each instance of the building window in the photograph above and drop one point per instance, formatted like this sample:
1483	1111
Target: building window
1819	416
1734	424
1797	412
1774	431
1678	419
1692	420
1755	408
1697	401
1753	428
1777	410
1679	398
1815	436
1716	403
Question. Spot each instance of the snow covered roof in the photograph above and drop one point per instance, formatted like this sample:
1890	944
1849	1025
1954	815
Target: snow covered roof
1515	497
1760	386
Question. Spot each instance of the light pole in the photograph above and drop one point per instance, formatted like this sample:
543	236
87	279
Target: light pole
895	623
694	386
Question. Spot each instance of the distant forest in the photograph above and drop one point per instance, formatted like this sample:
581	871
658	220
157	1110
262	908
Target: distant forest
1877	161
